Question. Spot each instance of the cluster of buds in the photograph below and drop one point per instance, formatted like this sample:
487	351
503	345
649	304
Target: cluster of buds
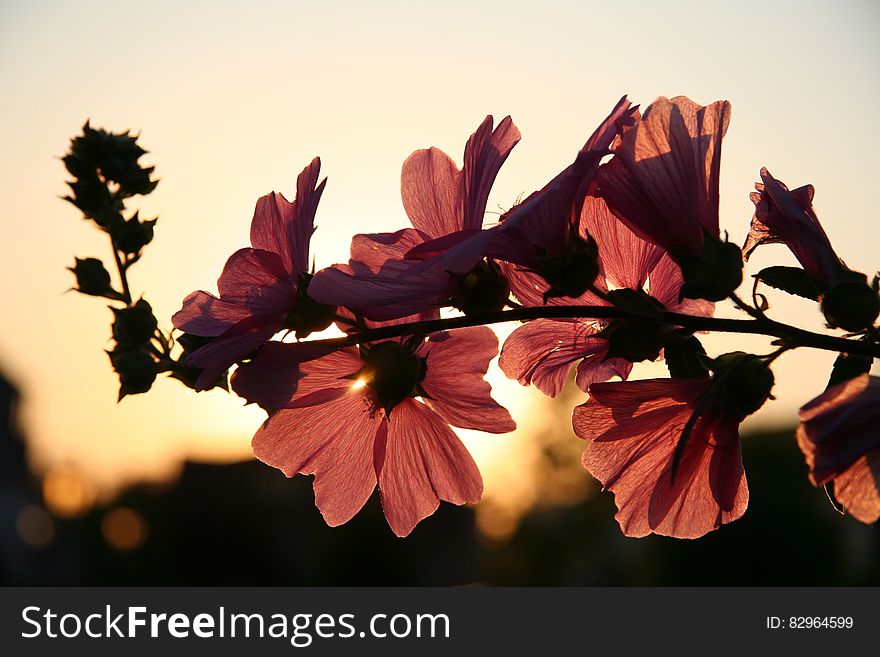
106	173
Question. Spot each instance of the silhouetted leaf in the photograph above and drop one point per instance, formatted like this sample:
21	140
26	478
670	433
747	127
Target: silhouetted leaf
792	280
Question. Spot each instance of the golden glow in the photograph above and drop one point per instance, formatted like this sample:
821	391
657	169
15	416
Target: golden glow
67	493
124	528
399	70
358	384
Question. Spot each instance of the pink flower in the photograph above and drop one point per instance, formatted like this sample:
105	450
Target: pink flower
663	179
543	235
635	427
378	414
262	289
441	201
542	351
840	437
788	217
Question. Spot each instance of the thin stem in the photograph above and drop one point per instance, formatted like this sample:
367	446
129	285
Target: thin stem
742	305
791	336
122	269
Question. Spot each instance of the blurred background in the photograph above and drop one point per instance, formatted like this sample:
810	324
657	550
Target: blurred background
232	99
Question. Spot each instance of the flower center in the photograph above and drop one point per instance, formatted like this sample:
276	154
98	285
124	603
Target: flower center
393	371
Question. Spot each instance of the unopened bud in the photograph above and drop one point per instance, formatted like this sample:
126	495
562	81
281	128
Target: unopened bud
136	369
713	273
484	289
134	325
742	383
132	235
93	278
571	274
851	304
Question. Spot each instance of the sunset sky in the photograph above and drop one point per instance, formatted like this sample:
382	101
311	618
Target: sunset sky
233	99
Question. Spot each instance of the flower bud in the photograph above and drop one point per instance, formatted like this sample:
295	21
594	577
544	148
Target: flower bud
92	278
134	325
851	304
136	369
713	273
741	383
572	274
635	339
484	289
133	235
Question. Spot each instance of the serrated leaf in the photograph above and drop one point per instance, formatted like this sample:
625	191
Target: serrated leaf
791	280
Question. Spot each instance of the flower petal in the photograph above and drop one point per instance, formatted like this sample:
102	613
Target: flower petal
278	375
783	216
438	198
840	426
424	462
227	349
335	442
256	279
858	489
484	154
387	294
625	258
286	228
634	428
456	364
373	250
428	187
663	179
665	282
541	352
206	315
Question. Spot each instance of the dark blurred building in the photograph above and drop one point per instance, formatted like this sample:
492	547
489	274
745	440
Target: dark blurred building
246	523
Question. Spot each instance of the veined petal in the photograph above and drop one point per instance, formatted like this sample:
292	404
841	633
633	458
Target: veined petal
840	426
386	294
256	279
634	428
438	198
542	352
429	187
858	490
373	250
625	258
234	344
278	375
333	441
424	462
484	154
206	315
286	228
457	361
663	179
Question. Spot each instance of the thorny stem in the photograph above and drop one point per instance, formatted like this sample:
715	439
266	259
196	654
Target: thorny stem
790	336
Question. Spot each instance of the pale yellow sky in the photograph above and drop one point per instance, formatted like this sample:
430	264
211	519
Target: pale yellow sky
234	98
